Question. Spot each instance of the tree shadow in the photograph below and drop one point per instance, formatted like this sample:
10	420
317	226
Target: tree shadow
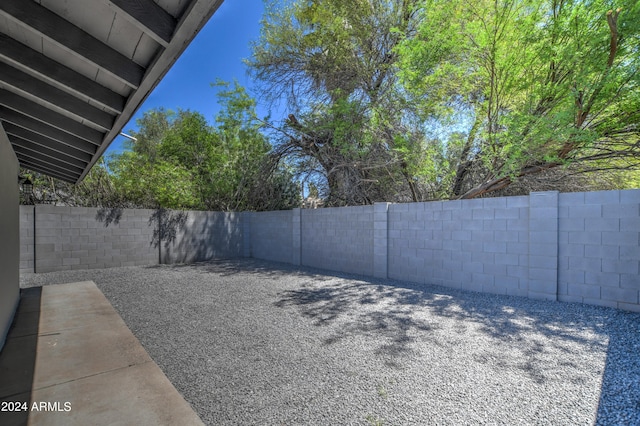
109	215
230	267
363	309
197	236
166	226
271	269
519	334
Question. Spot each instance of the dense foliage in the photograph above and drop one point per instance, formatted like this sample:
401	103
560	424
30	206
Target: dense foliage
335	62
402	100
410	100
179	161
542	84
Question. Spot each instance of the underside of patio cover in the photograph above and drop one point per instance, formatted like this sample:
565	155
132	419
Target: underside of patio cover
73	72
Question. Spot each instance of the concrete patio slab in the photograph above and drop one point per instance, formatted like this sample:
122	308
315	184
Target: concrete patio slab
71	360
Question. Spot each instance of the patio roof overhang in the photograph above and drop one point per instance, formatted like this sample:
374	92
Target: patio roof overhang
73	72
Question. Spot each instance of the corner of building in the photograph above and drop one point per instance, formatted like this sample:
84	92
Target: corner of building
9	235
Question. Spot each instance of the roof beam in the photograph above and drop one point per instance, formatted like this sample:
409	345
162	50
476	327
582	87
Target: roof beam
17	141
55	119
26	161
38	155
11	117
50	94
57	29
192	21
35	168
149	17
46	143
53	71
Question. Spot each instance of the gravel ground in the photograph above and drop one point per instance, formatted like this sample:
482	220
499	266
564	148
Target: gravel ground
252	342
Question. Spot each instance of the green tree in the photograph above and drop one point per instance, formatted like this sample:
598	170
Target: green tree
97	189
179	161
334	61
153	185
539	84
153	172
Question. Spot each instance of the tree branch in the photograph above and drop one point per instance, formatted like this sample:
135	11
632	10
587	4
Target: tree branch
612	20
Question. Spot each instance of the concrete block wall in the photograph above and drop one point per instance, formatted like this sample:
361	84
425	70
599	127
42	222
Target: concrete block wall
338	239
75	238
574	247
205	236
27	239
296	237
380	240
543	245
62	238
480	245
271	236
599	248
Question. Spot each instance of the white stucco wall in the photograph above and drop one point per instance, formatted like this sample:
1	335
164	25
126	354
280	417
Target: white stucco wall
9	235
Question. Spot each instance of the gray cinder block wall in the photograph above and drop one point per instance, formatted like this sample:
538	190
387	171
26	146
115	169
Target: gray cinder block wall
27	239
575	247
543	245
62	238
205	236
480	245
271	236
338	239
77	238
599	248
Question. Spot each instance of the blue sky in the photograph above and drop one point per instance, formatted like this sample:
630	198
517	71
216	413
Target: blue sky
217	52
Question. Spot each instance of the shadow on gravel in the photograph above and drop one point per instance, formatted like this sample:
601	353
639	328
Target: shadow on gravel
240	266
356	307
521	331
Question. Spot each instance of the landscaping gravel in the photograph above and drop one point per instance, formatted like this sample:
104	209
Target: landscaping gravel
252	342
